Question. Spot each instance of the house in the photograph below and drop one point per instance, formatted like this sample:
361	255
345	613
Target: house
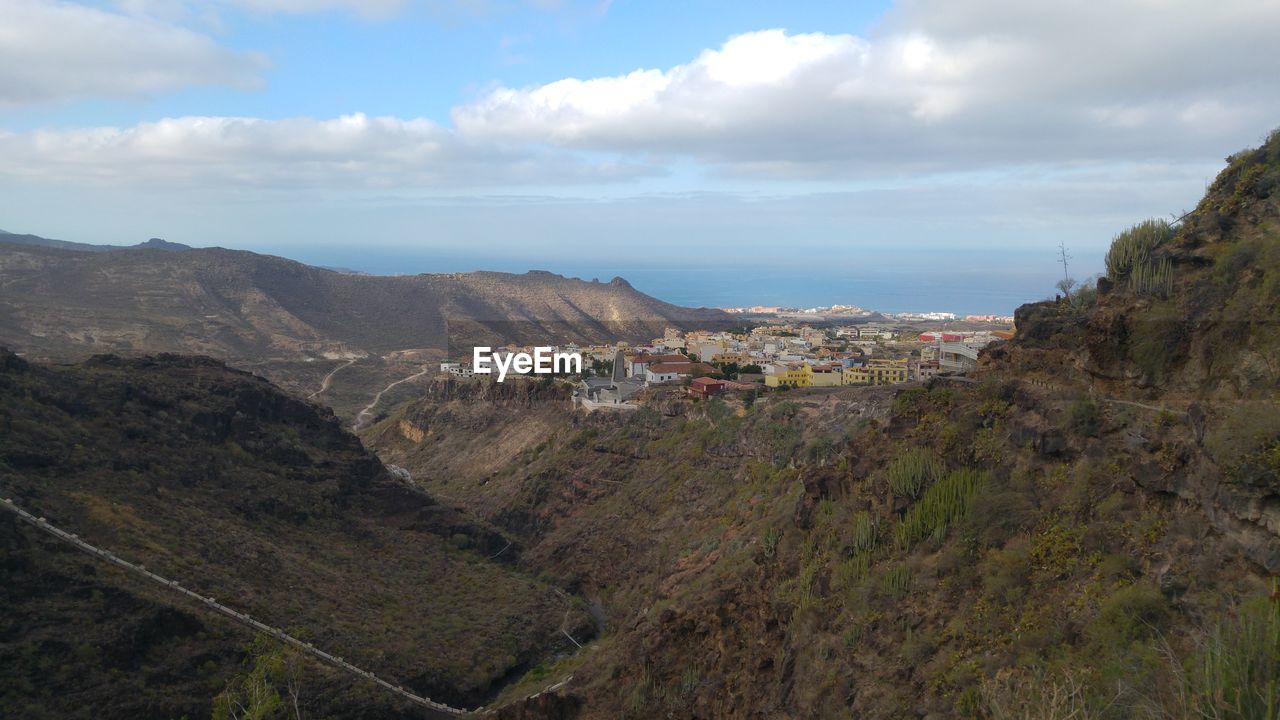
708	351
705	387
790	376
656	373
877	371
826	375
927	369
636	363
956	358
613	393
457	369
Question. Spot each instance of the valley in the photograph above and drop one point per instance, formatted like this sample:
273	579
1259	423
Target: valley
1086	523
294	323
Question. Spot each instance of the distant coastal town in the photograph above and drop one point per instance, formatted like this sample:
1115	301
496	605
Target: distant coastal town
784	349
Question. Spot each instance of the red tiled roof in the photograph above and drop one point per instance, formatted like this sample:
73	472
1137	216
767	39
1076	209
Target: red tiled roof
647	358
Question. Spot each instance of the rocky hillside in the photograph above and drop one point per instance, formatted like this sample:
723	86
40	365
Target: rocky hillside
1088	526
241	306
213	477
1084	528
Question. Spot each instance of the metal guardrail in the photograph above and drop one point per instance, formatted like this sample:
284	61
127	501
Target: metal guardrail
209	602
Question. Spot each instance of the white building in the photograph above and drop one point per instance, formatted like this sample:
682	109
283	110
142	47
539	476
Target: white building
956	358
457	369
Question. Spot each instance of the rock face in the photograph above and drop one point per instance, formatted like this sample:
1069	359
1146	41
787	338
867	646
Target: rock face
1205	350
242	306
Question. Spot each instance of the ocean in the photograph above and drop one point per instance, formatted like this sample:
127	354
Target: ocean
943	284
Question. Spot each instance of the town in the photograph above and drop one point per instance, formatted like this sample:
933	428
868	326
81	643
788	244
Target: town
789	351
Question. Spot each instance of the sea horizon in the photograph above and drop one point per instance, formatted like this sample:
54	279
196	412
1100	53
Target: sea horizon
905	287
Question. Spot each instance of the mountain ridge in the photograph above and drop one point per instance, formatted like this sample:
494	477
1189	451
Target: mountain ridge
38	241
238	305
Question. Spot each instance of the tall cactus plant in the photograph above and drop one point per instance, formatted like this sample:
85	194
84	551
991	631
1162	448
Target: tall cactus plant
1130	261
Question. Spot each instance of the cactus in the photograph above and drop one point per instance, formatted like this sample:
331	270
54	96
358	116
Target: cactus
866	531
943	504
912	470
1129	259
1152	277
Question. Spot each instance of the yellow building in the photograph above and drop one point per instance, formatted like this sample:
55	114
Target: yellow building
794	376
877	371
826	375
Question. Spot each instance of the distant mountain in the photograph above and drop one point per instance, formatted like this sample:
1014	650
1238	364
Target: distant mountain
36	240
243	306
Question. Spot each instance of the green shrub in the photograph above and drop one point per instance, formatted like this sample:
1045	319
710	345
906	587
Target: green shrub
769	541
1129	259
1002	509
1135	612
819	450
1006	573
912	469
850	572
1236	673
866	531
894	583
1084	417
1158	340
1246	443
948	500
1153	277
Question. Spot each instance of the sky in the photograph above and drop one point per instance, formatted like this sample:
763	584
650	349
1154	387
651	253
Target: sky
909	155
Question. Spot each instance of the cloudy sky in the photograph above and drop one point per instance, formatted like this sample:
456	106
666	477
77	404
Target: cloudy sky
952	137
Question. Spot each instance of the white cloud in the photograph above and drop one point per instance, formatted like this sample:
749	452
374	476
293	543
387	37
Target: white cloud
353	152
59	50
942	85
51	51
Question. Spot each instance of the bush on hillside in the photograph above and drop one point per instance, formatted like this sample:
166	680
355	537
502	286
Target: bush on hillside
1130	258
912	470
1236	672
941	505
1246	444
1084	417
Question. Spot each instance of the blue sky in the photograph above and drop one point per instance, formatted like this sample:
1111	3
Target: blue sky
953	142
422	60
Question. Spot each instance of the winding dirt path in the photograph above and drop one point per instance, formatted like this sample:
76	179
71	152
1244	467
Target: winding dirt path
363	416
324	384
